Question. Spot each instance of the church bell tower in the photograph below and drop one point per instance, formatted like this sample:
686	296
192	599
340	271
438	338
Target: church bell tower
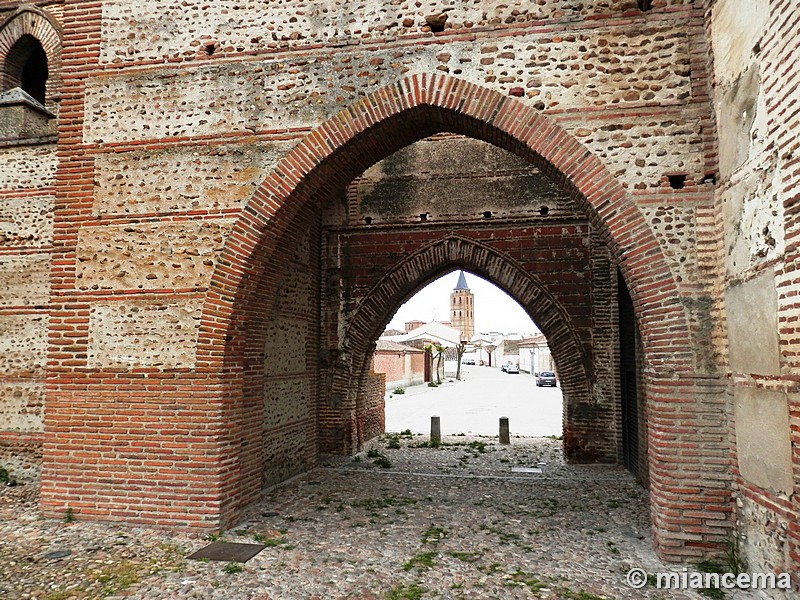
462	310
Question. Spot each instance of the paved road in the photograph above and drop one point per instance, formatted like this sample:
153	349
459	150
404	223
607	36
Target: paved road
476	403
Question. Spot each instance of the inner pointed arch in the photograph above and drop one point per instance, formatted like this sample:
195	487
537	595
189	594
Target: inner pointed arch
457	252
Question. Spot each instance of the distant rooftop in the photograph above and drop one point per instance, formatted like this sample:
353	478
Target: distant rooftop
534	341
462	282
390	346
389	332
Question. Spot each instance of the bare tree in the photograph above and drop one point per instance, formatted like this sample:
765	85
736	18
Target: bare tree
460	349
437	351
489	349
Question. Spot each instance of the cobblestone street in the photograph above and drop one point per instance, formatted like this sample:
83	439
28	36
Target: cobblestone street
457	521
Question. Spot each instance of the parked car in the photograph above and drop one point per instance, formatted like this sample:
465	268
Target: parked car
511	368
468	361
546	378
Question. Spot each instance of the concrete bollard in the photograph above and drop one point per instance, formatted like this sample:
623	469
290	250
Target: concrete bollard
436	431
505	433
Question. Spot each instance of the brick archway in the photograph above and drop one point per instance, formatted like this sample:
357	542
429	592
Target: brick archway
453	251
398	115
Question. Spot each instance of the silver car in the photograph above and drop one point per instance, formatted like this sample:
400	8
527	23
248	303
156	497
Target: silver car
546	378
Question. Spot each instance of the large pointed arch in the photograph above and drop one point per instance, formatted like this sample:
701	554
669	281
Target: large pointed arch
329	157
454	251
403	113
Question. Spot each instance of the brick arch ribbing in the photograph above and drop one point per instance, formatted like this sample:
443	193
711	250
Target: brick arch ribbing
452	251
398	115
42	26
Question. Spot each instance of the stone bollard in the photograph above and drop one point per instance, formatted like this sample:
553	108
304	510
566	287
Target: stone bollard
505	434
436	431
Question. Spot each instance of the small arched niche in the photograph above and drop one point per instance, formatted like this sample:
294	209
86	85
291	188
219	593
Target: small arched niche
30	48
26	68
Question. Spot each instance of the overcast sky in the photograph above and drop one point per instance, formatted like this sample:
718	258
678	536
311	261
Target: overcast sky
494	309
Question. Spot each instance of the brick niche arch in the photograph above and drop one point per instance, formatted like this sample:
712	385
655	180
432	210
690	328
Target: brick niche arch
452	251
34	22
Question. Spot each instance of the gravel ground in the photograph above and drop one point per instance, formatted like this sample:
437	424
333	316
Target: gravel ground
448	522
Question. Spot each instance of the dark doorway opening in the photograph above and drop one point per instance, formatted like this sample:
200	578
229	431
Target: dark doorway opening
26	67
629	380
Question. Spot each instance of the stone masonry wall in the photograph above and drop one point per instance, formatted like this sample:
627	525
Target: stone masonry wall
756	97
631	66
27	178
177	134
150	32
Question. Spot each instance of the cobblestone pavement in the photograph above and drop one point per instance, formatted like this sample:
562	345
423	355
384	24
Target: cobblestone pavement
458	521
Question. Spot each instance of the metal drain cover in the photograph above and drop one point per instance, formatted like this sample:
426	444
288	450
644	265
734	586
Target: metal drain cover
228	552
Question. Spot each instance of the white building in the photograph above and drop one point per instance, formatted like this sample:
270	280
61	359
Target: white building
534	355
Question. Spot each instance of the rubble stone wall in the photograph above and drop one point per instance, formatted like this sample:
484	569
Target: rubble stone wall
27	178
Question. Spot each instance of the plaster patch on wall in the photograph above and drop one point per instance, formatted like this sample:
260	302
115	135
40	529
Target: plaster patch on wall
630	65
21	405
763	440
738	26
150	30
286	343
182	179
25	280
286	401
741	121
144	333
26	221
27	168
751	310
149	256
23	345
753	213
